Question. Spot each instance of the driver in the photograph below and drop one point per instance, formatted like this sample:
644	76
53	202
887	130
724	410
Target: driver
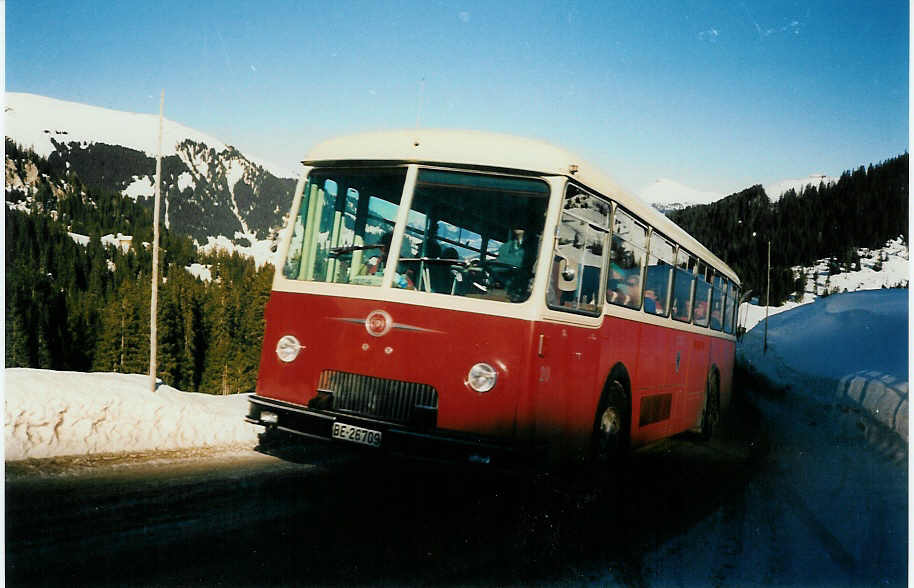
512	251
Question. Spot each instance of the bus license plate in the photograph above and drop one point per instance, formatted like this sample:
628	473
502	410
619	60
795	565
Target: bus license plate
356	434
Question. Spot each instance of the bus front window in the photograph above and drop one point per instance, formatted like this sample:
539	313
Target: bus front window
475	235
343	228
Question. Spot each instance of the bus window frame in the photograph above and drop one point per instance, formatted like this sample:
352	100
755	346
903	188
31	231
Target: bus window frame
600	302
701	273
718	276
691	260
644	248
669	280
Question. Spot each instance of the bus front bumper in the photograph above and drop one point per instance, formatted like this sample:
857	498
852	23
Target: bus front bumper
429	443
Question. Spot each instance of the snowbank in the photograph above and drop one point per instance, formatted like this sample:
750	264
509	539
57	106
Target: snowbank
828	505
853	347
50	414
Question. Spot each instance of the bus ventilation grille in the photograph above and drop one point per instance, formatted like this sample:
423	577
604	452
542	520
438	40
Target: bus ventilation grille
390	400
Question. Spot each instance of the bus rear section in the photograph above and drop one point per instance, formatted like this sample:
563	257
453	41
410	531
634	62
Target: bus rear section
402	318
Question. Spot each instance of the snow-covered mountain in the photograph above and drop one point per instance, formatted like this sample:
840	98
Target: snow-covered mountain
211	191
776	189
667	195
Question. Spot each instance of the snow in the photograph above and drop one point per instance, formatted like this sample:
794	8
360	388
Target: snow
776	189
51	414
200	271
260	251
894	273
805	344
829	503
185	180
139	187
80	239
672	194
119	240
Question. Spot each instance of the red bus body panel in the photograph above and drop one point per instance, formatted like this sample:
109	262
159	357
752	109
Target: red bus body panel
550	375
430	346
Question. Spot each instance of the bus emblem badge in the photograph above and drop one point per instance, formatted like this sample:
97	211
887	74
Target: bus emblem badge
378	323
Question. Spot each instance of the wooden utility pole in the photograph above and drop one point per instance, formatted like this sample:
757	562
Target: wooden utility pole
153	303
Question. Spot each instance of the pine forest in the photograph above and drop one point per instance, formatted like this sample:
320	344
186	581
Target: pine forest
86	307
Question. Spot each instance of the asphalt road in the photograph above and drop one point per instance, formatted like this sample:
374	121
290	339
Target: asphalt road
330	517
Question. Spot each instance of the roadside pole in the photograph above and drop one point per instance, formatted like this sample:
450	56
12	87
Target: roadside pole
767	297
153	303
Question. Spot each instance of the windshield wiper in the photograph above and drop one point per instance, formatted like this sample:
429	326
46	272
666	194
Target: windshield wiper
337	251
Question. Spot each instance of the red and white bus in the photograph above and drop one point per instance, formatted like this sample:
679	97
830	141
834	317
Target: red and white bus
480	296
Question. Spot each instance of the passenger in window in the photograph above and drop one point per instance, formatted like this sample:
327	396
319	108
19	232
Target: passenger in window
512	251
374	265
701	311
680	306
627	292
652	303
716	316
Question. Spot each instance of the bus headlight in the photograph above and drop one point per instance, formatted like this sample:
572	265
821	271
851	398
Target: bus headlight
482	377
287	348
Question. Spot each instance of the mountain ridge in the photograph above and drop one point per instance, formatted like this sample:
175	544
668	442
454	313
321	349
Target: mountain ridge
210	190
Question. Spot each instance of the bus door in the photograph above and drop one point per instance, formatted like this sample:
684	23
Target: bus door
661	365
701	347
568	341
691	348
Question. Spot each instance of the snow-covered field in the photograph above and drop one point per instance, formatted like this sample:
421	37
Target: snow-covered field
51	414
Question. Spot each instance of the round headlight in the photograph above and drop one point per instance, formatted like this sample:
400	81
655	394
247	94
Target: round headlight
287	348
482	377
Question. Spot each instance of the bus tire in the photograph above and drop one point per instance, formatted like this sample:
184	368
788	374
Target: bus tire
611	427
710	416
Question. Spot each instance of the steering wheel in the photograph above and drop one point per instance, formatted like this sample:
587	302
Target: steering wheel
491	270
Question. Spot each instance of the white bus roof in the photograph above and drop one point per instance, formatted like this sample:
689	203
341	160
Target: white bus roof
480	149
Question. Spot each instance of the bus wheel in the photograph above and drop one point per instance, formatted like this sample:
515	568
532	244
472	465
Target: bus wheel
711	414
611	427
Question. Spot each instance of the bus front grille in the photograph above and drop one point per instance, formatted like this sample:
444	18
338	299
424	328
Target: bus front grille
390	400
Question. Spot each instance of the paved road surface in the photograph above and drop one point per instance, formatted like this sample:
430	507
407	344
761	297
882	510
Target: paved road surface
243	518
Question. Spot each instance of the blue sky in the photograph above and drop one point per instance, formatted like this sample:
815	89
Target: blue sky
716	95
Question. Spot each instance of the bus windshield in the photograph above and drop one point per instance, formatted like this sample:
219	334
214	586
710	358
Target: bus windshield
342	231
466	234
475	235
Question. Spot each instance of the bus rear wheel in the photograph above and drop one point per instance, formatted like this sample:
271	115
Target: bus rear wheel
611	427
711	414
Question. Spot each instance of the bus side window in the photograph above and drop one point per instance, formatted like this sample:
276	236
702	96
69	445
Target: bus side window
718	296
578	254
683	280
702	296
626	261
657	282
728	308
